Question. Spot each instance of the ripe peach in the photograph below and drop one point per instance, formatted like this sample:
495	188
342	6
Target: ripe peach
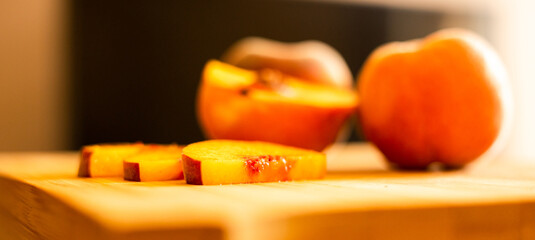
227	162
267	105
440	99
312	61
105	160
154	163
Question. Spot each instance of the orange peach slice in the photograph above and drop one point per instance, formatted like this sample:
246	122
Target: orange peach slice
313	61
267	105
106	160
227	162
155	163
444	99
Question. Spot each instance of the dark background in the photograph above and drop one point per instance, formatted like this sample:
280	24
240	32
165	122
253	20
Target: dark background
136	64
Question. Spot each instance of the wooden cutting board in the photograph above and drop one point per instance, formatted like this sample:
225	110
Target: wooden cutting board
41	198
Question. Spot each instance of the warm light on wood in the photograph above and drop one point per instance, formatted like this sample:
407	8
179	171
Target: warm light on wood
358	198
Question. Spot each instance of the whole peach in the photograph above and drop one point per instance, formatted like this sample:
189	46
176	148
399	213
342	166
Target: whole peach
441	99
311	60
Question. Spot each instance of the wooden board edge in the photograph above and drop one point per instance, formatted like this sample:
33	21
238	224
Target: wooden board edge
35	214
501	221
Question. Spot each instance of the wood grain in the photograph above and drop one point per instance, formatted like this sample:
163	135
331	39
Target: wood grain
359	199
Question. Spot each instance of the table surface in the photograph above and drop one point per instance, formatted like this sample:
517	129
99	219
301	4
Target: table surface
359	198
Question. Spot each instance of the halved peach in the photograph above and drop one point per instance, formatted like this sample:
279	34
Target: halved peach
106	160
154	163
227	162
267	105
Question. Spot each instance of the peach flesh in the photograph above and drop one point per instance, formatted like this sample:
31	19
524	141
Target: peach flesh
238	104
227	162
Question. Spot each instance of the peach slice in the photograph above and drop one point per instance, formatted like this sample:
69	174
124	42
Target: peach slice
228	161
313	61
443	99
154	163
267	105
106	160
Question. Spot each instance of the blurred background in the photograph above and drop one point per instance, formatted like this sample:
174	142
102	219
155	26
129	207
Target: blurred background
82	72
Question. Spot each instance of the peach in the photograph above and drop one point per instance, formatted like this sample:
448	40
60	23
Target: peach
441	99
313	61
106	160
229	161
267	105
154	163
